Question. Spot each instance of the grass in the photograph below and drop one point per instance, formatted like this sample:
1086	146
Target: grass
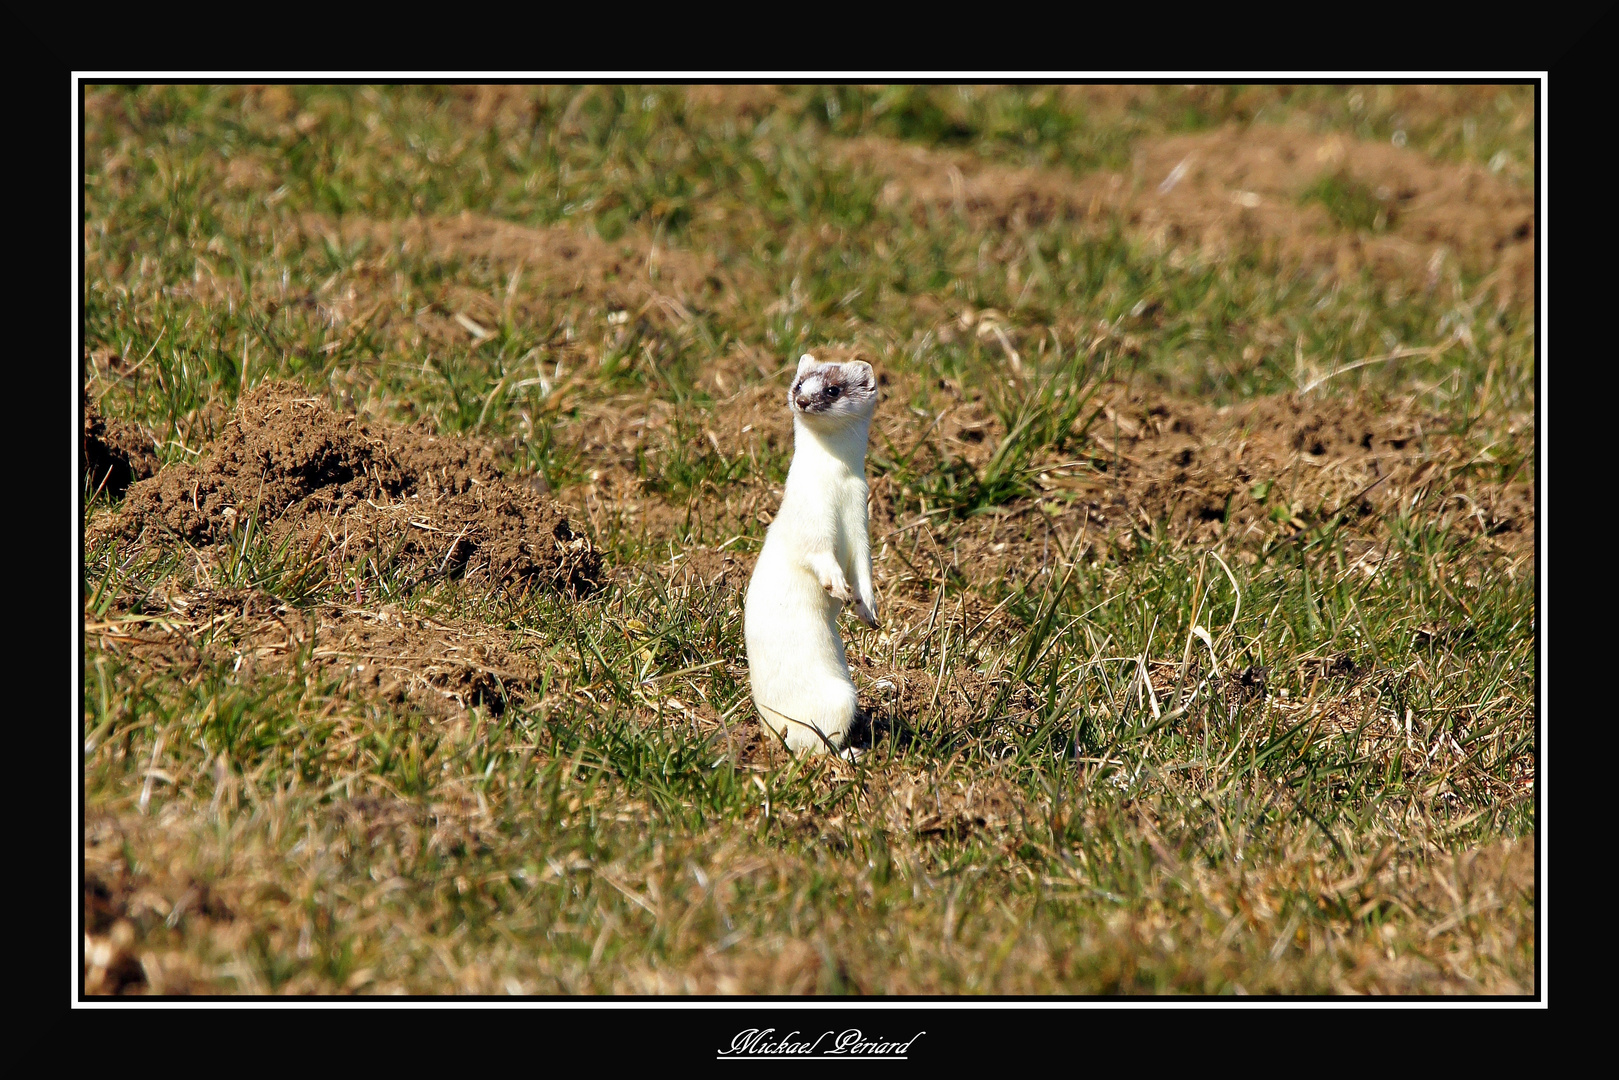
1118	759
1352	204
1093	127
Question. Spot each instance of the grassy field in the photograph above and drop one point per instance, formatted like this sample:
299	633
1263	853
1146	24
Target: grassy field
1202	504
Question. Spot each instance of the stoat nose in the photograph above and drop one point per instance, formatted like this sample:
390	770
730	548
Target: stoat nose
803	402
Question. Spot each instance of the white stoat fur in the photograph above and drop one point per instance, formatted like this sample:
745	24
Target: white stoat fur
816	558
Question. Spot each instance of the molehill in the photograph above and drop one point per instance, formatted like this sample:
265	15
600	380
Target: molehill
372	497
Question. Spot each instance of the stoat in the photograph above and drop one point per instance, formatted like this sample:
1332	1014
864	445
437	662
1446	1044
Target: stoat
816	558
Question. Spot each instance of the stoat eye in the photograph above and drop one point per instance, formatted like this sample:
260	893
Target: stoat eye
832	391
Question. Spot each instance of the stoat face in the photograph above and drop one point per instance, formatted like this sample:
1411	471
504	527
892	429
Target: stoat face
830	392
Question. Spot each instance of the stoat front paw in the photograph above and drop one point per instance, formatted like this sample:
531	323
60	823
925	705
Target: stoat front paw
838	588
865	614
830	575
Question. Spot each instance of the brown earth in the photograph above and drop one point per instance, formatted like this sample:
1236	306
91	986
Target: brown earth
116	452
1241	189
383	652
358	496
635	272
1419	103
1233	476
1238	480
1229	473
956	698
1237	476
362	494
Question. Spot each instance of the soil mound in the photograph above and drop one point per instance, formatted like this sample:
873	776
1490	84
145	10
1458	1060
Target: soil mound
1280	463
370	497
116	452
1299	198
1238	477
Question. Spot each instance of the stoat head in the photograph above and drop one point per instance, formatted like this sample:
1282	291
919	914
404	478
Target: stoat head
831	393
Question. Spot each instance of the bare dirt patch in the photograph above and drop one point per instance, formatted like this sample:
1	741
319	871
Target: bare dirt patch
662	472
1416	103
955	698
116	452
1238	479
362	497
1278	463
704	567
633	271
1235	477
1248	190
382	653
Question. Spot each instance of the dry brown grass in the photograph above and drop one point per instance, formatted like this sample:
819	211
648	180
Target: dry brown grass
342	770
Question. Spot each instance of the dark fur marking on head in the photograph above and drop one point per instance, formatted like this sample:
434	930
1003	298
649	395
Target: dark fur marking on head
819	388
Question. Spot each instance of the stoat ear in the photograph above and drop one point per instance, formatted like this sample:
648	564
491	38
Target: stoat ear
866	372
806	362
